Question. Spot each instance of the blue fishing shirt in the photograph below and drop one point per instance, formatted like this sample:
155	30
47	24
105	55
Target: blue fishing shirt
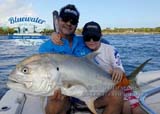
78	47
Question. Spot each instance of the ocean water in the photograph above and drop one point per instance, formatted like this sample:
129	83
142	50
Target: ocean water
133	49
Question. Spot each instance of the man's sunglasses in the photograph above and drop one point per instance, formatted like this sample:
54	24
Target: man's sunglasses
94	38
73	21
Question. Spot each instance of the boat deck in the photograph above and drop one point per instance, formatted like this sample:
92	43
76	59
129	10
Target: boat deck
150	98
154	103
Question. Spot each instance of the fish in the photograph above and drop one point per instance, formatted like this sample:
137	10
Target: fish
79	77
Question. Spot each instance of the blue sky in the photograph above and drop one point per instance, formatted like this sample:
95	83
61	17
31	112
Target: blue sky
108	13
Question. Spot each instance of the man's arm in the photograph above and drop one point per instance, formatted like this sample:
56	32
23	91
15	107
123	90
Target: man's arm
46	47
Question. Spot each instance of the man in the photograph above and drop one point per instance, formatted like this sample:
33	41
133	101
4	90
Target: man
59	104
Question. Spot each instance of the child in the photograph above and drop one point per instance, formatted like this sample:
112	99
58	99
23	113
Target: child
109	59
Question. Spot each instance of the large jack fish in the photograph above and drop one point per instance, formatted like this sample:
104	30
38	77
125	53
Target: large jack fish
78	77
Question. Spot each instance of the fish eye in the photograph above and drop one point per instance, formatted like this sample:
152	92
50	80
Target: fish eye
57	68
25	70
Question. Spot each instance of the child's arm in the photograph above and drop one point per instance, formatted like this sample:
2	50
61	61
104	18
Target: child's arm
117	67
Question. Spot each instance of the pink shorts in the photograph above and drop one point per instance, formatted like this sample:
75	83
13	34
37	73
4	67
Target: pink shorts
131	97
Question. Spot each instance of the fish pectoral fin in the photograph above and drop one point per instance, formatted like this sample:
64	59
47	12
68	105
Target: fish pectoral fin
90	105
74	91
92	55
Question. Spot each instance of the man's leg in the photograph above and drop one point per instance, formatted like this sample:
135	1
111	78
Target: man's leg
112	102
57	104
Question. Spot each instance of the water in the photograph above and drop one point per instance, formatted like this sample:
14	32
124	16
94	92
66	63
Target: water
134	49
11	52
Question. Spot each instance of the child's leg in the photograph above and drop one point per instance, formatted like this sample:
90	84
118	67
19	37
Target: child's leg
126	107
138	110
133	101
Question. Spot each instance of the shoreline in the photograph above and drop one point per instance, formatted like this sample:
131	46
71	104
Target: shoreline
131	33
125	33
108	33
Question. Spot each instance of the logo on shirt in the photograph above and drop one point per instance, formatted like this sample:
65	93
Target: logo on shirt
117	57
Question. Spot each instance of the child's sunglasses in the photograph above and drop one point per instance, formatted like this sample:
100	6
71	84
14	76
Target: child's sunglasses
94	38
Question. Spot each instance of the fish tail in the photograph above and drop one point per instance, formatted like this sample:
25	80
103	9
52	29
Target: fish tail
132	76
126	82
134	85
131	79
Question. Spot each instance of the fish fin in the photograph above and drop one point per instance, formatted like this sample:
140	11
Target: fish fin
92	55
132	76
29	59
43	103
90	104
134	85
74	91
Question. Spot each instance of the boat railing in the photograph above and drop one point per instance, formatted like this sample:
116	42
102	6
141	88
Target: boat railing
145	95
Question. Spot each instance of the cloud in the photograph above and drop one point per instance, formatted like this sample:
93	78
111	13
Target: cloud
10	8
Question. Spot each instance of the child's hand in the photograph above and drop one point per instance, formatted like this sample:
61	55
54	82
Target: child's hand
56	38
117	75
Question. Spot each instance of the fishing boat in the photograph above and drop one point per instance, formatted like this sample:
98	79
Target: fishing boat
18	103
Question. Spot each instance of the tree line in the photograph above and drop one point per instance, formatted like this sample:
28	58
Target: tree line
131	30
6	30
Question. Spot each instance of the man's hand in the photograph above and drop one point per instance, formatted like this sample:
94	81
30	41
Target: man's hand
57	95
57	103
56	38
117	75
